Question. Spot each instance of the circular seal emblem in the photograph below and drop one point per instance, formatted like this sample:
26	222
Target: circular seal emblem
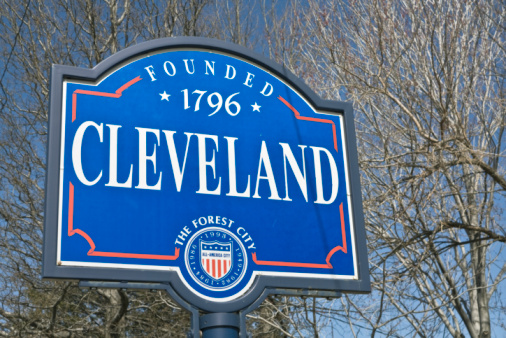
216	259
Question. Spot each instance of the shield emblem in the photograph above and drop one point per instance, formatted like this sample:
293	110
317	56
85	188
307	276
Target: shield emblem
216	258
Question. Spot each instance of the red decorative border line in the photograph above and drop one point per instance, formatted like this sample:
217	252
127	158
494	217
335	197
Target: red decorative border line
312	119
71	230
115	95
92	252
342	248
327	265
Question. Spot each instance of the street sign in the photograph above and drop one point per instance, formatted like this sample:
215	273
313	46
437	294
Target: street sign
204	166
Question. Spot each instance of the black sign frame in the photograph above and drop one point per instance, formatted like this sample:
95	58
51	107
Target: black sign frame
169	280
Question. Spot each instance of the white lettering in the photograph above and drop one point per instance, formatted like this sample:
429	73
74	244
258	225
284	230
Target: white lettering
265	160
249	78
301	178
232	176
318	175
186	65
167	71
204	163
174	161
208	66
229	67
209	175
113	160
241	232
151	72
267	85
144	158
77	147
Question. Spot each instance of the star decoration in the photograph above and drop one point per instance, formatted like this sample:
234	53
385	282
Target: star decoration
256	107
164	96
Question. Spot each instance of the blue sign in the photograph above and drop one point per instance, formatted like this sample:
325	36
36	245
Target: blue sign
204	167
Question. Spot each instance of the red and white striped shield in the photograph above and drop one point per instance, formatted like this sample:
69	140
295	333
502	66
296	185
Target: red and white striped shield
216	258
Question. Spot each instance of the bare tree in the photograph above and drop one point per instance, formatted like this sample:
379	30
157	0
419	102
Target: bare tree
33	36
427	82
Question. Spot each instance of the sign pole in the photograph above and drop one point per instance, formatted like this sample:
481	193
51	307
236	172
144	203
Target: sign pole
220	325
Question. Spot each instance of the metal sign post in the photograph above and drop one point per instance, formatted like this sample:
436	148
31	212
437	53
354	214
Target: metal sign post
206	169
220	325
